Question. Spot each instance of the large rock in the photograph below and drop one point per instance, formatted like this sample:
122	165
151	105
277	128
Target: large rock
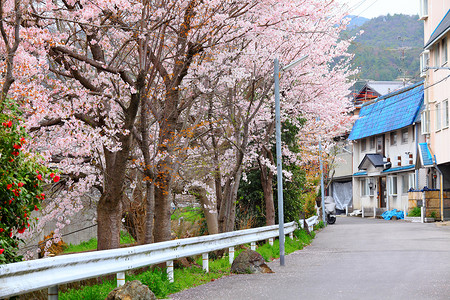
132	290
249	262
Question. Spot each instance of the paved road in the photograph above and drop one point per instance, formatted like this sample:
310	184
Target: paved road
353	259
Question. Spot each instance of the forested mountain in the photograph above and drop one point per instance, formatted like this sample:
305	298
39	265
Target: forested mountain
356	21
388	49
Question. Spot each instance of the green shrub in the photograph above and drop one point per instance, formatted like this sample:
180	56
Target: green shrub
319	225
414	212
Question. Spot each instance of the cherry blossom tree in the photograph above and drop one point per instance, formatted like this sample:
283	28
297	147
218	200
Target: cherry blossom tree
242	117
115	89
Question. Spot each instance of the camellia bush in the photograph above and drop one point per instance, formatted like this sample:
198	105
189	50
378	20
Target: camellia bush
22	181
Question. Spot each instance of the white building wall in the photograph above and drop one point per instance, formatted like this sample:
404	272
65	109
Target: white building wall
400	149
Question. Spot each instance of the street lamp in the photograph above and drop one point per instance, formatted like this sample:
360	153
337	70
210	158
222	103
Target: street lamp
278	135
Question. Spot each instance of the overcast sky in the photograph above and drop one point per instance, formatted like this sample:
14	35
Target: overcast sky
374	8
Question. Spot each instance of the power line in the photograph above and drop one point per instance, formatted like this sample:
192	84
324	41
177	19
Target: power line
398	92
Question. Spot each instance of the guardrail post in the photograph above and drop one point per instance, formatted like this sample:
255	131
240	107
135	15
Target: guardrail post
120	278
362	216
53	293
346	210
231	254
169	265
291	235
271	241
374	212
205	262
253	246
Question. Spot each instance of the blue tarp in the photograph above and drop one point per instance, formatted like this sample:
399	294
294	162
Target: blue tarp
387	215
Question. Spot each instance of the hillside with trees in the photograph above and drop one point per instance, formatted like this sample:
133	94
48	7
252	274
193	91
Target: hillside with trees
388	48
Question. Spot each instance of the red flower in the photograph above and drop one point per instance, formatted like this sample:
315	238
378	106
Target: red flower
9	124
21	230
11	159
36	208
56	178
20	184
25	215
10	234
15	153
22	140
10	201
17	146
39	176
1	251
51	175
1	229
9	186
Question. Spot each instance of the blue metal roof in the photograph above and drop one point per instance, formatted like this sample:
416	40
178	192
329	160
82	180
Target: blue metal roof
425	155
397	169
390	112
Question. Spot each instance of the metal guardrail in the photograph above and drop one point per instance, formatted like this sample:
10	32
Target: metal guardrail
27	276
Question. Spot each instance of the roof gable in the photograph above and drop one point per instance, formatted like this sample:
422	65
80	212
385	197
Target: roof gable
388	113
375	159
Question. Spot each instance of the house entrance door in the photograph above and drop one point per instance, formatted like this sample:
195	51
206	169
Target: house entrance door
382	191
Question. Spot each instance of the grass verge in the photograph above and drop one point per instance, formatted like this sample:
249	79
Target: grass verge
125	238
186	278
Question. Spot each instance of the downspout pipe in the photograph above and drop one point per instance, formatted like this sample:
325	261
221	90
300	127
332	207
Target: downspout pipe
441	188
416	172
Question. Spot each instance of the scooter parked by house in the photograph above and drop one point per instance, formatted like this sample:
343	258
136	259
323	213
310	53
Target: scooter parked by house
330	210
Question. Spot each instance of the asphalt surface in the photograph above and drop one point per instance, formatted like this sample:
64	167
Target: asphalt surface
353	259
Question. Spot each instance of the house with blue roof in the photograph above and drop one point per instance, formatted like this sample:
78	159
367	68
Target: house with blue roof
386	138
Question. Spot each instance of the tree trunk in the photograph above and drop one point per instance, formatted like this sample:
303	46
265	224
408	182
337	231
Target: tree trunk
162	230
208	208
149	211
227	213
109	214
267	182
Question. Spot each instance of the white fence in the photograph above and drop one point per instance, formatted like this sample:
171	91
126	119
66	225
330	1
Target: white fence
27	276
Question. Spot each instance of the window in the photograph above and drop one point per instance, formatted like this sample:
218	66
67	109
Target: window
408	182
437	55
380	144
438	116
368	187
363	145
412	181
392	185
424	62
423	9
405	183
425	122
445	113
393	138
405	136
372	143
444	50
